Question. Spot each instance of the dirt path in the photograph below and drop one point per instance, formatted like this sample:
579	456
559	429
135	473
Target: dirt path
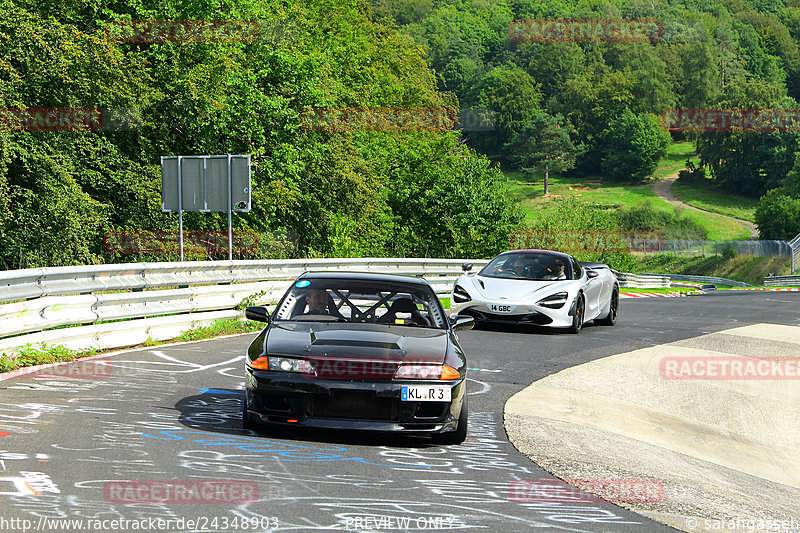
663	189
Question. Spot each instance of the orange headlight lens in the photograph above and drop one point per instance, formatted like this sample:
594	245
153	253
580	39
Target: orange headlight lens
261	363
448	372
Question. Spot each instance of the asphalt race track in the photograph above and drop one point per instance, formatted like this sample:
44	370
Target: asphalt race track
91	452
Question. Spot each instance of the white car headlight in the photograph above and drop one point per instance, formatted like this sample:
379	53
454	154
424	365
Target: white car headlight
460	295
554	301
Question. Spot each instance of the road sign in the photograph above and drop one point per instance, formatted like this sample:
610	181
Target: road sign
206	183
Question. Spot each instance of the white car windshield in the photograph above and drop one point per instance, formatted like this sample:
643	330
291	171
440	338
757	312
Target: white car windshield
528	266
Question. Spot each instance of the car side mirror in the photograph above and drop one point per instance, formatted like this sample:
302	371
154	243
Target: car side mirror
591	274
462	322
466	267
257	313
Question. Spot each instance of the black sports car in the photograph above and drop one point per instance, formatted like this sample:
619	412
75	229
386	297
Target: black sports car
358	351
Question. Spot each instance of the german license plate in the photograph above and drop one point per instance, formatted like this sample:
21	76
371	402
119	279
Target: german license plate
497	308
425	393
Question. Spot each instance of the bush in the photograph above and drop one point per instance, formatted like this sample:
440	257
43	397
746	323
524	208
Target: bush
671	224
634	145
778	216
692	174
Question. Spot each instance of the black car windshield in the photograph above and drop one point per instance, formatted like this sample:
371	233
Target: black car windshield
528	266
343	300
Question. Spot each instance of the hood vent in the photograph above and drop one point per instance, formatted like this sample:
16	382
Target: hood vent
364	344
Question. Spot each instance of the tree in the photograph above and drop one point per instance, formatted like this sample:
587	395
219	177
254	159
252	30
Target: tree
791	183
633	147
512	94
544	144
778	216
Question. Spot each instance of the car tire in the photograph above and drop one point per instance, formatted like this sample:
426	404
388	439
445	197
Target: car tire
460	434
613	310
577	319
247	422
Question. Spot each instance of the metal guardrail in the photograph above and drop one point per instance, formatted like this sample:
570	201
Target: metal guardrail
794	244
642	281
708	279
193	293
159	301
765	248
781	281
37	282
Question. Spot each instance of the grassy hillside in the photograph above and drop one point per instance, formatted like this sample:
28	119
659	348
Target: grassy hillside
747	268
710	198
528	192
675	160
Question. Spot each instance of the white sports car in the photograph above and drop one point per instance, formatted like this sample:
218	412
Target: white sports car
540	287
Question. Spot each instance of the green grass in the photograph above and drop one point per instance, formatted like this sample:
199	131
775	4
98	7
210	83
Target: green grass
710	198
675	160
224	326
530	197
719	228
747	268
662	290
30	355
529	194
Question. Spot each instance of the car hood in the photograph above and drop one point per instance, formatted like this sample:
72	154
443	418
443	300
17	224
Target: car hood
323	343
512	289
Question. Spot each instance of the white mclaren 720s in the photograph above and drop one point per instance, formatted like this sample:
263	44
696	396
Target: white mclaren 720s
540	287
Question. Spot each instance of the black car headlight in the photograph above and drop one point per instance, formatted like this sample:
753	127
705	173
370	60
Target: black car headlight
460	295
554	301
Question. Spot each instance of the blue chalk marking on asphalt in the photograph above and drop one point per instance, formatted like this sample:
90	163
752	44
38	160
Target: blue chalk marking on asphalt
219	391
280	451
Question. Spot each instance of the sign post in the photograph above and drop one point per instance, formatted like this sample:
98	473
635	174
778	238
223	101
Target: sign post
206	183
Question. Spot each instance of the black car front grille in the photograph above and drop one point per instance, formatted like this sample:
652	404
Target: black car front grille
430	410
530	318
362	405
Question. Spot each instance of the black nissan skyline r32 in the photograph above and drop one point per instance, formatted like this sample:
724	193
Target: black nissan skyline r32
358	351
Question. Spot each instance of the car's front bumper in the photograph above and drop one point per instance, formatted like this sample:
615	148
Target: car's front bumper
524	313
278	397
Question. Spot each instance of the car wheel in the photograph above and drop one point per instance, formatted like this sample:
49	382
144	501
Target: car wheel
577	319
460	434
247	422
613	308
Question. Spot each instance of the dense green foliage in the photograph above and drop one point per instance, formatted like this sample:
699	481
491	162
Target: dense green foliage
711	54
319	192
633	147
778	216
366	192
